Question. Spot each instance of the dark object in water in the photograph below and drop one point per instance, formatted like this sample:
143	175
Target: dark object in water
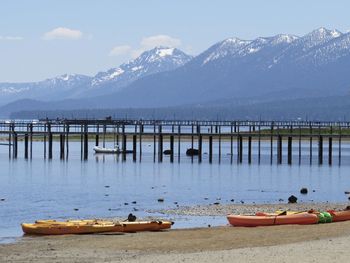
292	199
347	192
133	202
160	200
131	218
76	209
192	152
303	190
167	152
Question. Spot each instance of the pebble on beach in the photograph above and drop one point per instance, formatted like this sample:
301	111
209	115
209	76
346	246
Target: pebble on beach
292	199
303	190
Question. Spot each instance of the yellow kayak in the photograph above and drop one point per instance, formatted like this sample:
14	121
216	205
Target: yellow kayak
69	228
53	227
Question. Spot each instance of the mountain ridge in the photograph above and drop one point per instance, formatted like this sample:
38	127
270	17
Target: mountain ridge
266	68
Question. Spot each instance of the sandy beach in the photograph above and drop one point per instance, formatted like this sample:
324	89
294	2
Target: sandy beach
321	243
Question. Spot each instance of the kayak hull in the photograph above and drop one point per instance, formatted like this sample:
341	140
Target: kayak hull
270	220
339	216
52	227
60	229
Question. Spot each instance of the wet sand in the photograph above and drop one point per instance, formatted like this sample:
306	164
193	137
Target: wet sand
321	243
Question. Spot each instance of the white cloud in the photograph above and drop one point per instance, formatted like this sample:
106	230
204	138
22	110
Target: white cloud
63	33
120	50
146	43
10	38
159	40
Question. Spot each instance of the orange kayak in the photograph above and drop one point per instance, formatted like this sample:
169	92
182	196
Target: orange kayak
270	220
53	227
72	228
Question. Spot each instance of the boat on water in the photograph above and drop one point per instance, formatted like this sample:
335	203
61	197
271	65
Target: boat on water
271	220
115	150
53	227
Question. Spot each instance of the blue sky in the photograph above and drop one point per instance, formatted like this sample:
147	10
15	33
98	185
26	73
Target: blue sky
44	38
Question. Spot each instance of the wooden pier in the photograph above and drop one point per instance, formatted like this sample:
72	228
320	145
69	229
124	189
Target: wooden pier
241	136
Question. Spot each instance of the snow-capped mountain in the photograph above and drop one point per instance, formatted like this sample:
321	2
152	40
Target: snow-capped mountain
153	61
278	67
70	86
60	87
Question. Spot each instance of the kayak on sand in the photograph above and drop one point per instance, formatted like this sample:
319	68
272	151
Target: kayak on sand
270	220
52	227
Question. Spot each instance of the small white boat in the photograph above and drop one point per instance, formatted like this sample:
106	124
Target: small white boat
115	150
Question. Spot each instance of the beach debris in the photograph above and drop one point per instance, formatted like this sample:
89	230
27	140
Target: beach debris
292	199
192	152
303	190
160	200
131	218
216	203
133	202
76	209
167	152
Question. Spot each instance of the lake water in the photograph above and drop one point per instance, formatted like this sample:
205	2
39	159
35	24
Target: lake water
100	187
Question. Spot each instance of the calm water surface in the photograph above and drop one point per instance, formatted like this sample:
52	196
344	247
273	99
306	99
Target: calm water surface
100	187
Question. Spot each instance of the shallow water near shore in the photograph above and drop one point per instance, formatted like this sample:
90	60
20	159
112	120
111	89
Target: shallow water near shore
106	187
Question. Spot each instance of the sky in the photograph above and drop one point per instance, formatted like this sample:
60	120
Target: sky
41	39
